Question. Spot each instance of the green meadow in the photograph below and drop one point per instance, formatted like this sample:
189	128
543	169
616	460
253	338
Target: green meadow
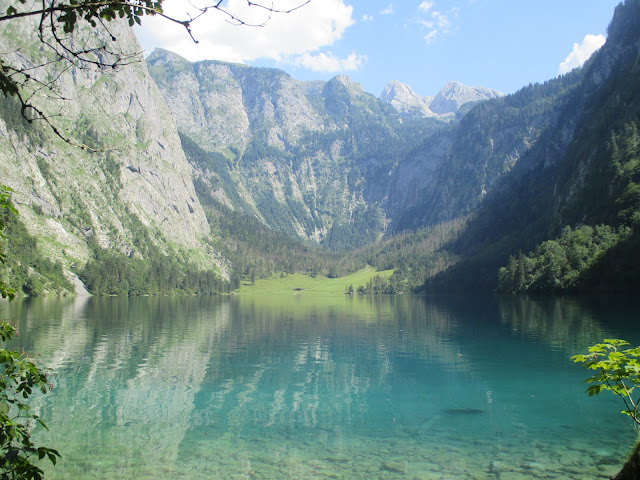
299	284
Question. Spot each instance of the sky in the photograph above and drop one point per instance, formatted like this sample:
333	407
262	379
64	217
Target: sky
500	44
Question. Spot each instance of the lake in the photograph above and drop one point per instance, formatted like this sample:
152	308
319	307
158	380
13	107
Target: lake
342	387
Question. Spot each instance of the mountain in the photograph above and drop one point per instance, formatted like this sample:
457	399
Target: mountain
312	159
201	174
407	102
451	173
445	105
131	191
583	171
328	162
454	95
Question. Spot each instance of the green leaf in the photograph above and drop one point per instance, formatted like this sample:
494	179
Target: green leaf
595	389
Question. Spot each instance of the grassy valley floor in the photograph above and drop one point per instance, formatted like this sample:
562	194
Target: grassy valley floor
298	284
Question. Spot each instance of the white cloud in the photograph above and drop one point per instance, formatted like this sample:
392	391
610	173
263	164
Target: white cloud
430	37
367	18
441	19
323	62
388	10
581	53
316	25
436	22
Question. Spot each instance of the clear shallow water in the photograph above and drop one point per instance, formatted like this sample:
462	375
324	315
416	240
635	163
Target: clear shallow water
314	388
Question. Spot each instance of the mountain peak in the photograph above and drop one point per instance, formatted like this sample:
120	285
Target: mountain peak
443	105
407	102
165	57
347	82
454	94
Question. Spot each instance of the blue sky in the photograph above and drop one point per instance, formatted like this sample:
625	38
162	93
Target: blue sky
501	44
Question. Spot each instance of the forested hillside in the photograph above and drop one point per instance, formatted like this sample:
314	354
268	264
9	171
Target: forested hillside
584	171
116	195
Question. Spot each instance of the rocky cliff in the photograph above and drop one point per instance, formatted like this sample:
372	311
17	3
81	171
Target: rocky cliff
330	162
134	176
303	157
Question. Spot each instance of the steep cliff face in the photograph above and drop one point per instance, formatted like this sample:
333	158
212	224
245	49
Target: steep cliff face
584	160
583	170
323	160
304	157
220	105
137	177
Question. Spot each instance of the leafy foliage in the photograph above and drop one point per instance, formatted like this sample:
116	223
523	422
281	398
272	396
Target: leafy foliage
618	371
562	264
19	379
68	14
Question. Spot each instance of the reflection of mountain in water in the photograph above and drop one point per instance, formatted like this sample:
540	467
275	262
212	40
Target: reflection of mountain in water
128	370
305	364
149	387
134	375
570	324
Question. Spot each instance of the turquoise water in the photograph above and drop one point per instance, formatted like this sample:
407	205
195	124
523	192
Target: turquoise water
311	388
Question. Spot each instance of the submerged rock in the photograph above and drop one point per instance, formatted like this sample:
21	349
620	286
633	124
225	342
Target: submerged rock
395	467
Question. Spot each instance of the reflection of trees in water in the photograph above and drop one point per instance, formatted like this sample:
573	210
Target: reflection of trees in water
566	323
402	324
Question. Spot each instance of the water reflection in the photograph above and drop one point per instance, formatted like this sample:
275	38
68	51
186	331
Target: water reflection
210	387
127	373
570	324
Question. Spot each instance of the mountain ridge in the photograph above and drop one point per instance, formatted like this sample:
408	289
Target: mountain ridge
444	105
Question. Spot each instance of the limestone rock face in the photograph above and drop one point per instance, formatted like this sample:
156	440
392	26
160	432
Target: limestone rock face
276	148
444	105
407	102
137	173
217	103
453	95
